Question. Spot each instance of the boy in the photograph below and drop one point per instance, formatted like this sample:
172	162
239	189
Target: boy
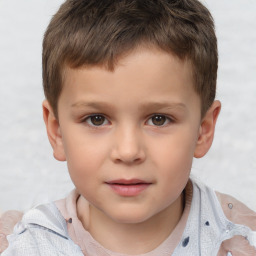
130	88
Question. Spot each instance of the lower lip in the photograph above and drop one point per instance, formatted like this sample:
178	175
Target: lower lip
129	190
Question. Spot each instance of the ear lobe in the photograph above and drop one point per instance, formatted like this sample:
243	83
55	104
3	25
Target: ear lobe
53	131
207	128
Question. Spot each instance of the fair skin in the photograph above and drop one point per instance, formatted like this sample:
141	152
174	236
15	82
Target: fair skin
129	137
7	222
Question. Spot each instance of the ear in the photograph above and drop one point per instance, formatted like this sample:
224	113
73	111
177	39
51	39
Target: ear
207	128
53	131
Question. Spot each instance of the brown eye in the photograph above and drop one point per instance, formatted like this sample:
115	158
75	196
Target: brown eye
159	120
96	120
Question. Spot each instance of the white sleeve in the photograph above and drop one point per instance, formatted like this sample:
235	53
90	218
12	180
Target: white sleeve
21	245
34	240
252	239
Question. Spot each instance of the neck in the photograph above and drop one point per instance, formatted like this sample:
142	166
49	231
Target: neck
144	236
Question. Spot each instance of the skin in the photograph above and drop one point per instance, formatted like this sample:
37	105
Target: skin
148	127
7	222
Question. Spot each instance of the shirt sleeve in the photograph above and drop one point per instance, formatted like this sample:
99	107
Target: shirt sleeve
36	240
240	214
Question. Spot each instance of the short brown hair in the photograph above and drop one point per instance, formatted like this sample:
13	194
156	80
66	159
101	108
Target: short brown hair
92	32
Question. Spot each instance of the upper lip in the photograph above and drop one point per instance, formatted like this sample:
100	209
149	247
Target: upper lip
128	182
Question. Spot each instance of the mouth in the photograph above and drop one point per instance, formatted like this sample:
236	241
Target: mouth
128	188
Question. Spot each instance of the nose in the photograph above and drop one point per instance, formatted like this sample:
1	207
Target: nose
128	146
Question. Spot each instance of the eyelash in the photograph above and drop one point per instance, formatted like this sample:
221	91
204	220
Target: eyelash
88	120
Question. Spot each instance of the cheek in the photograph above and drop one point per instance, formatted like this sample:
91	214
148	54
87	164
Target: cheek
174	160
84	157
83	170
82	147
176	151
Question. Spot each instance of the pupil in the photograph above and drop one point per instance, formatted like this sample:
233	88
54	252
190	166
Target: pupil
97	120
159	120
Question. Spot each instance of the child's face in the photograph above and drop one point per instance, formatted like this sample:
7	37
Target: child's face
129	136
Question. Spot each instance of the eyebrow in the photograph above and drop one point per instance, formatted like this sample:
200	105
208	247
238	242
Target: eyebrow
162	105
92	104
144	106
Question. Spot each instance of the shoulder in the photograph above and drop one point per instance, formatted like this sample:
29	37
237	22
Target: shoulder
236	211
230	223
7	222
42	231
228	206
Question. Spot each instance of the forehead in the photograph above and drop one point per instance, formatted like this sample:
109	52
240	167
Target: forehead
144	56
138	76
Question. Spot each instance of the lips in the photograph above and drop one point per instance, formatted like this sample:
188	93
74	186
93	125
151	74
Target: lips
128	188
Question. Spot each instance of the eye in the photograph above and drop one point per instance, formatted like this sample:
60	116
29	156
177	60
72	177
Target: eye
96	120
159	120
